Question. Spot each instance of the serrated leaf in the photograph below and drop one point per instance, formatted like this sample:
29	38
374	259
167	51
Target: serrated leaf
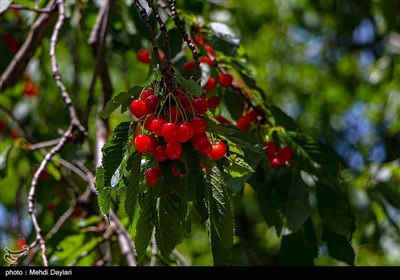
339	247
334	210
169	229
114	151
237	167
220	223
231	133
190	85
3	161
145	224
284	202
133	185
103	194
299	248
120	98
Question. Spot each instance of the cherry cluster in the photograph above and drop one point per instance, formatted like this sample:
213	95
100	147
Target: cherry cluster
170	122
277	157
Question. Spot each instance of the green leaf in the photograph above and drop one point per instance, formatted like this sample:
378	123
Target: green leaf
334	210
231	133
3	161
175	37
169	229
237	167
220	223
234	104
116	101
391	192
284	202
103	194
339	247
189	85
133	185
225	40
145	224
282	119
114	151
72	246
299	248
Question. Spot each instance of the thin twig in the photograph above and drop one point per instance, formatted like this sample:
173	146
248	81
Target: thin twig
164	7
164	34
146	21
42	145
17	66
32	9
180	258
154	249
76	124
181	27
62	220
26	133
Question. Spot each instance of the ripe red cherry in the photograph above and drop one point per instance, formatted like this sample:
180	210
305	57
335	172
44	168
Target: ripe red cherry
143	56
30	89
200	106
199	39
152	175
156	126
243	123
275	162
148	121
152	103
146	93
251	115
188	66
3	126
210	85
143	143
218	150
285	154
198	125
21	242
154	142
206	59
160	153
174	150
170	132
184	133
223	120
175	113
213	102
270	149
225	80
204	148
210	50
138	108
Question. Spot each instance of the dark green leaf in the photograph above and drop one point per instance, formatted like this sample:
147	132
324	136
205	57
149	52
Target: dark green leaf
133	185
334	210
284	202
237	167
169	229
282	119
103	193
145	224
391	192
116	101
220	223
234	104
175	37
299	248
114	151
339	247
189	85
225	40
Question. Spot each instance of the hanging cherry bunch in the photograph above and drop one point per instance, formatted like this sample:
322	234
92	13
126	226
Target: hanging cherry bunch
168	123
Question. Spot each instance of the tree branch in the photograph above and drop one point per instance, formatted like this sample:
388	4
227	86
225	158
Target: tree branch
26	133
17	66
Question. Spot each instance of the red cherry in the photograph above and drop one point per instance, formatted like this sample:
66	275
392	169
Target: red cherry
143	143
198	125
210	50
184	133
146	93
213	102
206	59
154	142
285	154
175	113
185	101
199	39
160	154
205	148
176	171
210	85
148	121
170	132
30	89
218	150
243	123
157	125
174	150
225	80
200	106
21	242
275	162
152	102
270	149
14	133
188	66
251	115
143	56
3	126
138	108
152	175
